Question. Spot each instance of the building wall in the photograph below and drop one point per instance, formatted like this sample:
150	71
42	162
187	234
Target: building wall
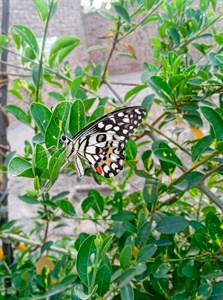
70	19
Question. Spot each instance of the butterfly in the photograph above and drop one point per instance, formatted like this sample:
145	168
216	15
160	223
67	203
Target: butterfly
102	143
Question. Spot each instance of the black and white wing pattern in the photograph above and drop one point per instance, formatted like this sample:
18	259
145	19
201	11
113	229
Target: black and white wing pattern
102	143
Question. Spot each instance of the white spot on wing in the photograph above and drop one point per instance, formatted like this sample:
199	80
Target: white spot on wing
101	125
106	169
126	120
114	157
121	114
107	127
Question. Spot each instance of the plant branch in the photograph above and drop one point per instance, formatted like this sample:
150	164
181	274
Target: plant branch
15	237
113	90
210	195
115	41
40	69
168	138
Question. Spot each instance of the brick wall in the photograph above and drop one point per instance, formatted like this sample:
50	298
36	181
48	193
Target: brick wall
70	19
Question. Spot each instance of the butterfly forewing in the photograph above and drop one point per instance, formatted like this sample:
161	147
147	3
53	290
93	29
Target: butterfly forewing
102	143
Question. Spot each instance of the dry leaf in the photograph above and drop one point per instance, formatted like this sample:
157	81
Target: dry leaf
44	261
107	36
130	49
197	132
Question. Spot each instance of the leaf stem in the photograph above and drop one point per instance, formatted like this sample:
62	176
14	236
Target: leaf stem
94	271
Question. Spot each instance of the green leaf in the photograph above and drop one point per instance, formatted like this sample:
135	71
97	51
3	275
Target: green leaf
61	48
122	13
134	91
97	201
103	279
56	96
99	111
123	215
161	87
217	293
27	35
125	257
84	263
56	162
174	35
201	146
187	182
16	112
20	167
147	161
190	272
42	8
37	79
67	207
40	160
57	124
88	102
159	269
204	4
146	253
143	234
168	155
172	224
77	117
87	204
147	102
127	292
75	85
126	277
167	167
4	41
148	4
216	121
176	80
150	191
41	115
130	150
193	118
93	81
106	14
27	199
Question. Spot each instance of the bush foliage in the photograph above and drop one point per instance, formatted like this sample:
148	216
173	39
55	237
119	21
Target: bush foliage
160	240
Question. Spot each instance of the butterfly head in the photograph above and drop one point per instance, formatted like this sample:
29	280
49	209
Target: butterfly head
65	140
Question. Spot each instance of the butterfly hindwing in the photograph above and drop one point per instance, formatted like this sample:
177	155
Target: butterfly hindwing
102	143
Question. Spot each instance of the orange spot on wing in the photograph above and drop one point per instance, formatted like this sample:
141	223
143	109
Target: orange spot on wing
99	170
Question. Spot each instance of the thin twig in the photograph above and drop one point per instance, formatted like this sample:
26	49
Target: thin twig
42	51
207	174
115	41
158	119
15	237
123	83
113	91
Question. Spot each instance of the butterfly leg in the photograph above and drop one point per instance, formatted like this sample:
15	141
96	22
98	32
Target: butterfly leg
78	165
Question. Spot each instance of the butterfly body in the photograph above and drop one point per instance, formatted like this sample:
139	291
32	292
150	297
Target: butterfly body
102	143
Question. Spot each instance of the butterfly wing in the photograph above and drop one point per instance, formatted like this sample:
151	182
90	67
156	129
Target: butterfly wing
102	143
